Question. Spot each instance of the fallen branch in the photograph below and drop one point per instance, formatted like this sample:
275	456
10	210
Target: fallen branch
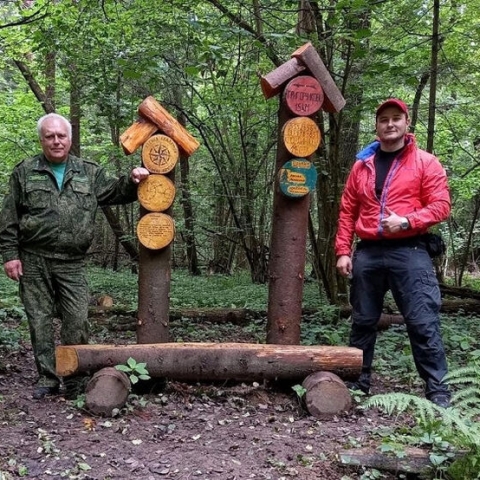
413	460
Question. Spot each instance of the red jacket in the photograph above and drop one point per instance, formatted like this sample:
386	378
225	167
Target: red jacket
416	187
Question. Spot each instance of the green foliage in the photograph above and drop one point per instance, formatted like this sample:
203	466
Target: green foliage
11	312
79	402
467	398
135	371
452	434
122	285
299	390
228	291
187	291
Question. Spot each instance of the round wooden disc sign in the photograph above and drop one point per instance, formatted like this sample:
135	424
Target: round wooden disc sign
156	193
160	154
303	95
297	177
155	230
301	136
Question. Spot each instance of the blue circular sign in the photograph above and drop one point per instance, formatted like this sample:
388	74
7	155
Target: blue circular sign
297	177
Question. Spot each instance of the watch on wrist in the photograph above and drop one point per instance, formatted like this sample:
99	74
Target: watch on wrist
404	223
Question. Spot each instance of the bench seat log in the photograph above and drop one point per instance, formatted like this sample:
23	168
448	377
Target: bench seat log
214	361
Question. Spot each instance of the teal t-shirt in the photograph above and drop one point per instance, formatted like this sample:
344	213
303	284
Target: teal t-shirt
58	170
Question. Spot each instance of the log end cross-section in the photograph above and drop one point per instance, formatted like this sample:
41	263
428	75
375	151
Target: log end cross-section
326	395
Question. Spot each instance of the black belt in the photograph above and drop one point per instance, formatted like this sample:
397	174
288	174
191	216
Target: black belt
416	241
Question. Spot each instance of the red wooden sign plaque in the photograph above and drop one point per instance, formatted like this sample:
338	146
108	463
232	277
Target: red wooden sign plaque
303	95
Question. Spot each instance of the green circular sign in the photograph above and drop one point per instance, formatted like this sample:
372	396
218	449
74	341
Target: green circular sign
297	177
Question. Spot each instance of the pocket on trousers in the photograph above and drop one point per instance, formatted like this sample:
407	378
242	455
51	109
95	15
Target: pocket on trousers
429	278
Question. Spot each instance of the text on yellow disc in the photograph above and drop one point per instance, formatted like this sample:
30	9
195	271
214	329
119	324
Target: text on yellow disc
160	154
156	193
155	230
301	136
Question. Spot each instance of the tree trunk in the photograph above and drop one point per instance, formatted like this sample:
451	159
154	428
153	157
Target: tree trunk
153	295
50	77
214	361
337	152
223	249
186	199
432	102
35	87
287	256
75	112
114	223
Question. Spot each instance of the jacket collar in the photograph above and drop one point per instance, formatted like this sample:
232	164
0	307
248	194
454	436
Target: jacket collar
72	163
372	148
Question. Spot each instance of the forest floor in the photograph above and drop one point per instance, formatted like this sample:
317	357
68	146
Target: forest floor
185	431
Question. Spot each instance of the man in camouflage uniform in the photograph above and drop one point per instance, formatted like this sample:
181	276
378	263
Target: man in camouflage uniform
46	228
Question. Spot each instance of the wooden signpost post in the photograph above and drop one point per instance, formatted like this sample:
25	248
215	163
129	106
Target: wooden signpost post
162	138
305	87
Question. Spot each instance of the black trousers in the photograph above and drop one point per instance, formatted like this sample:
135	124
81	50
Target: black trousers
407	271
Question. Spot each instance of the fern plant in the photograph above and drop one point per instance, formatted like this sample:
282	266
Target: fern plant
458	426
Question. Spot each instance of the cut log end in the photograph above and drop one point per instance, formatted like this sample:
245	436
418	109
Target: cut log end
66	360
136	135
326	395
106	391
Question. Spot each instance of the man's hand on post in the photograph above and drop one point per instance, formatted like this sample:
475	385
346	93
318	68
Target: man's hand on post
138	174
13	269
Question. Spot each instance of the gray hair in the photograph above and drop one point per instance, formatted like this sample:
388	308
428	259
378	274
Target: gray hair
57	117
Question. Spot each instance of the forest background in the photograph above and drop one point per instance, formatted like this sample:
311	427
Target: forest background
95	61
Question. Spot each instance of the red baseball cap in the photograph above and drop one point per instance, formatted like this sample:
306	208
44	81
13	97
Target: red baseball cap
392	102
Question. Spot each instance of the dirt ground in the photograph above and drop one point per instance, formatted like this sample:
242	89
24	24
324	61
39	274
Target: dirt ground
186	431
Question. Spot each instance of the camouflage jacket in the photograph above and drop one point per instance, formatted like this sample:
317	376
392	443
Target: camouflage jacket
41	219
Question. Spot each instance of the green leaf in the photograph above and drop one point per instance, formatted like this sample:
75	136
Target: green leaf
123	368
299	390
437	459
141	370
192	71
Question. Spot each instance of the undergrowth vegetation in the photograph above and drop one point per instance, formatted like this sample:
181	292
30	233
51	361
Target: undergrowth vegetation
447	433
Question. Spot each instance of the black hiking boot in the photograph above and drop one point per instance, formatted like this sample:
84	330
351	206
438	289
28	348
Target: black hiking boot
41	392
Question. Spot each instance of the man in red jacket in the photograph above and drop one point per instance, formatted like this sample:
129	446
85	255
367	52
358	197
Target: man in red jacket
394	193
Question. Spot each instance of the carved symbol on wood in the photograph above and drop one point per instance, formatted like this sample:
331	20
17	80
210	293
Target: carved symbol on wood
303	95
156	193
155	230
301	136
160	154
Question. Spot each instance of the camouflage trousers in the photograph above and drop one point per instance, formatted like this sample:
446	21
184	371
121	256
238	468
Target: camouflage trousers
51	289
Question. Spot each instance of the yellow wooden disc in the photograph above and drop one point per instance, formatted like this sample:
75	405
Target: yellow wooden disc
301	136
155	230
156	193
160	154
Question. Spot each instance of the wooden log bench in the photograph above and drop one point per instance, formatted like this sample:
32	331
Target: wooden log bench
214	361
